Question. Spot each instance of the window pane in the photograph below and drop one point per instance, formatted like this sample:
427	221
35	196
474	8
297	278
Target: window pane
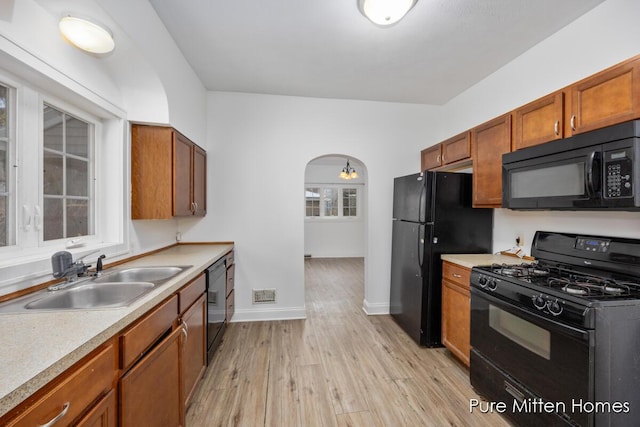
349	201
77	218
4	167
53	178
3	221
77	177
77	137
312	201
3	111
53	225
53	125
330	200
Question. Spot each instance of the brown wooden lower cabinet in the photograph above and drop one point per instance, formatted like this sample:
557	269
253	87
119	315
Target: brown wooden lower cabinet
151	392
103	414
194	355
456	310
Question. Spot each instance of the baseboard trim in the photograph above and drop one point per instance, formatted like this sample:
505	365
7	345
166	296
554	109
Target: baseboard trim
375	309
265	315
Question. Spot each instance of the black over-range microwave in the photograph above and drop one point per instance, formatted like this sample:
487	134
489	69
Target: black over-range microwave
590	171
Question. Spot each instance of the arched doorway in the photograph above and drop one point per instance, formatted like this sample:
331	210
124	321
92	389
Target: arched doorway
335	215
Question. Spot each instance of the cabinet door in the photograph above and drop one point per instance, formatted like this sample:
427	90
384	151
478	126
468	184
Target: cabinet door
103	414
182	171
199	181
456	148
151	392
539	121
456	306
431	157
194	357
489	141
607	98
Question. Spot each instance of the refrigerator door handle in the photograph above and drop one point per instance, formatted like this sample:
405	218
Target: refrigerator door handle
420	248
421	203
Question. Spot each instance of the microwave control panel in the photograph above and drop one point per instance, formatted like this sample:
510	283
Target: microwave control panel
618	169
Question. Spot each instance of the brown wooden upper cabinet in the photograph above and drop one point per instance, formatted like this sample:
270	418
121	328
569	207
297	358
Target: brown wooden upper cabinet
539	121
450	151
168	174
431	157
489	141
609	97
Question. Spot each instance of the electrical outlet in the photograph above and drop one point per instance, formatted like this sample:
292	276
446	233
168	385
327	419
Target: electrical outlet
520	239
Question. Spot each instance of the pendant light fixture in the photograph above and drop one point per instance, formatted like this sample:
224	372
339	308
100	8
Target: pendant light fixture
348	172
86	34
385	12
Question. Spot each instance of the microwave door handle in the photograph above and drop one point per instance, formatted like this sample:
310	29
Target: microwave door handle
591	173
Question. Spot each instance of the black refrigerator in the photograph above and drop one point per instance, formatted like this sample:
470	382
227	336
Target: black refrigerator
432	215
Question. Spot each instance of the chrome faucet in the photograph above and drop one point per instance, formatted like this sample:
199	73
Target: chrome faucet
64	266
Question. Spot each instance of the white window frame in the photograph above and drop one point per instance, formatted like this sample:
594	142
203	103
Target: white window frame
11	158
27	261
340	216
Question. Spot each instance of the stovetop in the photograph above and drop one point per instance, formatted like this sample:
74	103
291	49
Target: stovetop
583	283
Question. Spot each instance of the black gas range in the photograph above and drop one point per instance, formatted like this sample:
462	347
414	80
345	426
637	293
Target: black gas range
562	332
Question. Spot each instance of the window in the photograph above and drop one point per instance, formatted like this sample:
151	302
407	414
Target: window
331	201
4	166
66	175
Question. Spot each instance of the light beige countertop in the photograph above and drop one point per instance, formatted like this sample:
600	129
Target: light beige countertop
38	346
472	260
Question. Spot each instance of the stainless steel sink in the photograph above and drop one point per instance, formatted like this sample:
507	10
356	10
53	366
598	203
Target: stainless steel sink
116	288
92	296
155	275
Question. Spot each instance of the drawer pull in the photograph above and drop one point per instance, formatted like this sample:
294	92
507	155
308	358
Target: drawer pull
64	411
185	331
457	276
556	128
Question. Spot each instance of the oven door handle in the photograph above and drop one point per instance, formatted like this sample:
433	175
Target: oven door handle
541	321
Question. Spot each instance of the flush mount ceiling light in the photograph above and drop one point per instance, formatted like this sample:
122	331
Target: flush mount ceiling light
385	12
348	172
87	35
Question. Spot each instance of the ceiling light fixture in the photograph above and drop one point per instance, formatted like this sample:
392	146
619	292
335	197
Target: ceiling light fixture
385	12
348	172
86	34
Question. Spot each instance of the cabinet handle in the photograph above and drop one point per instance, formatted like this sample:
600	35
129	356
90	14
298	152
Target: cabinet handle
196	207
443	160
556	127
457	276
438	158
185	331
573	122
62	413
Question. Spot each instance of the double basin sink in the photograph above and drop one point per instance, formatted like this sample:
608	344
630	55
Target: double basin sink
114	289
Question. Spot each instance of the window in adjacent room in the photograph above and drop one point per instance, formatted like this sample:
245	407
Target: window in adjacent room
331	201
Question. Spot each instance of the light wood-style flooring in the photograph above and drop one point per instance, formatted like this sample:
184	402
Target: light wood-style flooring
339	367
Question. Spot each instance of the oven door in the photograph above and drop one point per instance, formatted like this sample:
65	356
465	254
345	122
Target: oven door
550	360
567	180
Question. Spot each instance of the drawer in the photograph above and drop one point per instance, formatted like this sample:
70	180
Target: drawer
231	306
230	259
190	293
138	338
231	271
77	391
456	273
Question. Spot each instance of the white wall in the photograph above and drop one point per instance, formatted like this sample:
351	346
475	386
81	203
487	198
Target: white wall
259	146
336	237
606	35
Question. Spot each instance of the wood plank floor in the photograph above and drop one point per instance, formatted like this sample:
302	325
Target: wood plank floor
339	367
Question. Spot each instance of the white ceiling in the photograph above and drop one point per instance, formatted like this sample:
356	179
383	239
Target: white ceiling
327	49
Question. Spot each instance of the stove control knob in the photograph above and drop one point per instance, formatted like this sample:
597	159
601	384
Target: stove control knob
492	285
539	302
482	281
554	307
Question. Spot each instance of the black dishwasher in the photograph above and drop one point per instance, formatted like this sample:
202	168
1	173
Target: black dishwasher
216	304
